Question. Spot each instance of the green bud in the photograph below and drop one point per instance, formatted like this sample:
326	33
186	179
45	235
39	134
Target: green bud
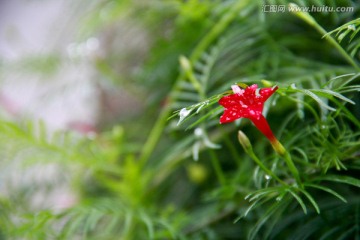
278	147
244	141
267	83
185	63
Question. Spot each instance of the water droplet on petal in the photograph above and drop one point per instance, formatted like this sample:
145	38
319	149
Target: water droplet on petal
243	105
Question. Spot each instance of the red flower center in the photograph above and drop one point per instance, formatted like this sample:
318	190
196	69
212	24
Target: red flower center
248	103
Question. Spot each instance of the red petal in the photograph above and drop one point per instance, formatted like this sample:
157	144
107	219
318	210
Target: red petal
264	127
248	104
252	87
230	115
229	101
267	92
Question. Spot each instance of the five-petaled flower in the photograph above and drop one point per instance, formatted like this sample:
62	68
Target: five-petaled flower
248	103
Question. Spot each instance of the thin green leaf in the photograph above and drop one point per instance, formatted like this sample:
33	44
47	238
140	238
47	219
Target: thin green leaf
273	209
332	93
327	190
341	179
149	224
300	201
317	99
311	199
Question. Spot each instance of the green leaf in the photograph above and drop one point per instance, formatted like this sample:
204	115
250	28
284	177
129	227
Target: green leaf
326	189
298	198
328	92
317	99
311	199
340	179
277	206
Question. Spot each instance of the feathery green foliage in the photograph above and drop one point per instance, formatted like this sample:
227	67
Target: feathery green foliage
139	180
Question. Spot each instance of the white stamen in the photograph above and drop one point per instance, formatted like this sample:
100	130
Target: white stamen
198	132
237	89
196	149
257	92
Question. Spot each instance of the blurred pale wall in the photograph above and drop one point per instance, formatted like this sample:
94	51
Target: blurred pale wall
33	31
73	96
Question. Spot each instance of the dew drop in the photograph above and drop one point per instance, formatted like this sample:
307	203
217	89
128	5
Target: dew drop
267	177
351	27
202	105
243	104
183	114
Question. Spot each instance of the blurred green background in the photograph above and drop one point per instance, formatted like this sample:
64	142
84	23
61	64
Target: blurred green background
92	146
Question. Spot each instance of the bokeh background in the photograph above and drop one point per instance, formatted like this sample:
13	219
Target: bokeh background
92	147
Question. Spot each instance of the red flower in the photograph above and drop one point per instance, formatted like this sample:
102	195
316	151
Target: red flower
248	103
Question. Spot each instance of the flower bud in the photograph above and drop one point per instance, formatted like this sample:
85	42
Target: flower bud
267	83
185	63
278	147
244	141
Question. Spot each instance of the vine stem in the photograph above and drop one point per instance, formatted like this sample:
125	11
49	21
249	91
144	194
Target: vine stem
312	22
216	165
160	124
279	149
245	143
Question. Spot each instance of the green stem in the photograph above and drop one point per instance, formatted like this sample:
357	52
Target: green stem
215	32
279	148
245	143
312	22
233	151
155	134
186	65
251	153
215	162
218	29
